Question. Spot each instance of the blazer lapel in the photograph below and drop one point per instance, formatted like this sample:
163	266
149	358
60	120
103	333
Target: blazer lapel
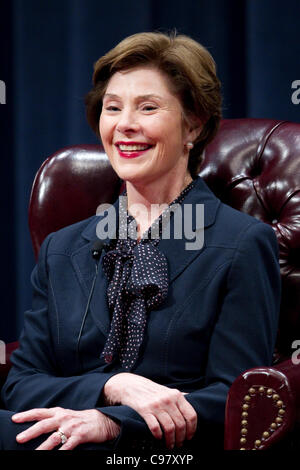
181	252
85	267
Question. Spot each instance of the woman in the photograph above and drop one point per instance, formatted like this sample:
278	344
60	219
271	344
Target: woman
168	327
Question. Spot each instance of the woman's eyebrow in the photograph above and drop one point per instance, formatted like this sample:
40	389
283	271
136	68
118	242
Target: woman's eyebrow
139	97
111	96
148	96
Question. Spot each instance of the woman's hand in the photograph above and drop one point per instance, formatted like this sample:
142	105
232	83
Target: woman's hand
78	426
164	409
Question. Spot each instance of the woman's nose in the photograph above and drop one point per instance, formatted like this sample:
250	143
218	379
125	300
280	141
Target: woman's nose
127	122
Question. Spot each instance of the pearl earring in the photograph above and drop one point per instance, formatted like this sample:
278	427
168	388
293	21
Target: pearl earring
190	145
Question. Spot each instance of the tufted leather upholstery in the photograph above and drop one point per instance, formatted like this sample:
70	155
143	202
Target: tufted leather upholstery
252	165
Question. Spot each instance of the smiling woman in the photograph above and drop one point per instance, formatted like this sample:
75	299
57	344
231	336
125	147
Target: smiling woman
169	328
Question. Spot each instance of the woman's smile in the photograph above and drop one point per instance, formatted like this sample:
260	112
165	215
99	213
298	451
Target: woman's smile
132	149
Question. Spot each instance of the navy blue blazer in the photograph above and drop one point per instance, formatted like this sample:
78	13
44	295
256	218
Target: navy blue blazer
219	319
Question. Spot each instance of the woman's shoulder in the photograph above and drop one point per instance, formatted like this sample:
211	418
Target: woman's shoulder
72	237
226	218
232	225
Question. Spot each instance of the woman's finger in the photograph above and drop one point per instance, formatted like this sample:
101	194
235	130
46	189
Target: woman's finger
41	427
180	425
33	415
71	443
190	417
168	427
53	441
153	425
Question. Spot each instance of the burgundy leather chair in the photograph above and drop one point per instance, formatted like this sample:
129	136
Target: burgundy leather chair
254	166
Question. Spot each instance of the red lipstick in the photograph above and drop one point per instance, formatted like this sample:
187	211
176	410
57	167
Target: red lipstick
132	153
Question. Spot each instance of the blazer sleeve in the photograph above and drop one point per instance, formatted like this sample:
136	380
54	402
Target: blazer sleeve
245	332
33	380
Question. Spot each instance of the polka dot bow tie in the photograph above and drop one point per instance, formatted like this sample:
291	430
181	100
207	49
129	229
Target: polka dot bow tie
137	276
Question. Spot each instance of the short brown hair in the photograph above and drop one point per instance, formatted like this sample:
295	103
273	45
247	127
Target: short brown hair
190	68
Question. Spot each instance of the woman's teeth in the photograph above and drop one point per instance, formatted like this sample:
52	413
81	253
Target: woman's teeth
129	148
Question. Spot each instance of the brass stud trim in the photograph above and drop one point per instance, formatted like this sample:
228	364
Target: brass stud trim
270	393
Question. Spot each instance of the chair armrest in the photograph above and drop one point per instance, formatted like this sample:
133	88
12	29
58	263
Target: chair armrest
4	368
262	406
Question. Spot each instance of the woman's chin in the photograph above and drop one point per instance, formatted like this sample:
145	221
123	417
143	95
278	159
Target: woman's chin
134	180
131	176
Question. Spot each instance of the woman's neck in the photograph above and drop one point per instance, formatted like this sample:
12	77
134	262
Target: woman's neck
147	202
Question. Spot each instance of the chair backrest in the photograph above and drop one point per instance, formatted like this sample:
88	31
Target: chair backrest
68	188
252	165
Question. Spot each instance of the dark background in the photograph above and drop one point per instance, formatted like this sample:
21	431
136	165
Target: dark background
47	50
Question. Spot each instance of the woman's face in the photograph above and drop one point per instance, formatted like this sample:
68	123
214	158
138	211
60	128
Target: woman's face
142	128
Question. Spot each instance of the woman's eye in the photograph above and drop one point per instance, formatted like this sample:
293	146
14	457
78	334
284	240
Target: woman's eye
149	107
112	108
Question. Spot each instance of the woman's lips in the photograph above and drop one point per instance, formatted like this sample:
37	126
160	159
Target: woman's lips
132	149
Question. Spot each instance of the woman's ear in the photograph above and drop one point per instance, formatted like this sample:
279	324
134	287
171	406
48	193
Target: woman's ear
194	128
196	131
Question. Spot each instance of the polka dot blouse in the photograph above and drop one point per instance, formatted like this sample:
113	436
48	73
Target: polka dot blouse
137	274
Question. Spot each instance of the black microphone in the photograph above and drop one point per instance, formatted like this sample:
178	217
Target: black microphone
97	248
96	253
